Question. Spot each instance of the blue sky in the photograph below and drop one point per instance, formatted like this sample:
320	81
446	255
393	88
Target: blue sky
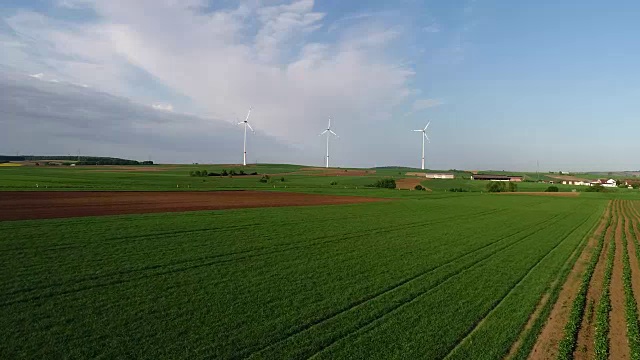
505	84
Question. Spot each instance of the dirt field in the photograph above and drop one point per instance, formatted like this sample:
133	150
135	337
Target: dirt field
25	205
409	183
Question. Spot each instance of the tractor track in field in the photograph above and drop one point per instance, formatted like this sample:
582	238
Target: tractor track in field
577	260
408	280
370	326
490	311
286	247
367	325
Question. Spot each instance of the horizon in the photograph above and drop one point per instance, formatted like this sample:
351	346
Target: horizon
560	172
503	85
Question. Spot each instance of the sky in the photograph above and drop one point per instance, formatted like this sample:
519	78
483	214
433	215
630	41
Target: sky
505	85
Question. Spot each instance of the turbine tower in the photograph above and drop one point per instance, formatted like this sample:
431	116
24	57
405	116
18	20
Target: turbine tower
246	124
328	131
424	136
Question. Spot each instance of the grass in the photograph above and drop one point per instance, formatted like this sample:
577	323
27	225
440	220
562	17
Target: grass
439	275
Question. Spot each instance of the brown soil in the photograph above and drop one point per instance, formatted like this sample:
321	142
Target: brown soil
618	345
560	194
22	205
546	346
409	183
585	343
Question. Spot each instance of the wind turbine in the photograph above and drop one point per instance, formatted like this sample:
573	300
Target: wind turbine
424	136
328	131
246	124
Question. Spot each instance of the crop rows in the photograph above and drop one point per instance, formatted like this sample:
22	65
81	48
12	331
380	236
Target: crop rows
568	343
614	333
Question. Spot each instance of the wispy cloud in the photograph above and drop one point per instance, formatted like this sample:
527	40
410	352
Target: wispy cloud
225	60
423	104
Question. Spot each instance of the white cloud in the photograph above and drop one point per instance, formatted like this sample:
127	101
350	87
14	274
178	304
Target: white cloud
37	76
229	59
163	107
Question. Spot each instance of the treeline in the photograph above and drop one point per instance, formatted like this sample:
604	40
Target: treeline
82	160
203	173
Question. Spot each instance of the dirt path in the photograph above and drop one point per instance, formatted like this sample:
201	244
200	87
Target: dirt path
585	344
546	346
23	205
618	345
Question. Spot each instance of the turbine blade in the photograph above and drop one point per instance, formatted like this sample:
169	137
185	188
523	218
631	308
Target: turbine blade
248	114
425	135
425	128
322	133
241	122
329	126
418	130
250	127
331	131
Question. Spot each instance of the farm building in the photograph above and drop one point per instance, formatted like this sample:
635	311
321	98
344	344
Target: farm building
575	182
604	182
432	175
440	176
512	178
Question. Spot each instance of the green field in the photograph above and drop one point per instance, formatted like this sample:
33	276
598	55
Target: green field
441	276
427	274
176	178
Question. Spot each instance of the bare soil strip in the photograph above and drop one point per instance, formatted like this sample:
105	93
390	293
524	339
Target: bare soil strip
586	335
618	344
24	205
546	346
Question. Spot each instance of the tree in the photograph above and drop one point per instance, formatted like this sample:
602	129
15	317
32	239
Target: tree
385	183
552	189
513	187
496	186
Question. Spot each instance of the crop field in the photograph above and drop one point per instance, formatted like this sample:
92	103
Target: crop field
296	178
597	313
449	276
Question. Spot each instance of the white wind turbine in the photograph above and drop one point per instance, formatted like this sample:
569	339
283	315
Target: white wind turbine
328	131
424	136
246	124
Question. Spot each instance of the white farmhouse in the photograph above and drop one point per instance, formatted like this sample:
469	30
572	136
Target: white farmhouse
605	183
